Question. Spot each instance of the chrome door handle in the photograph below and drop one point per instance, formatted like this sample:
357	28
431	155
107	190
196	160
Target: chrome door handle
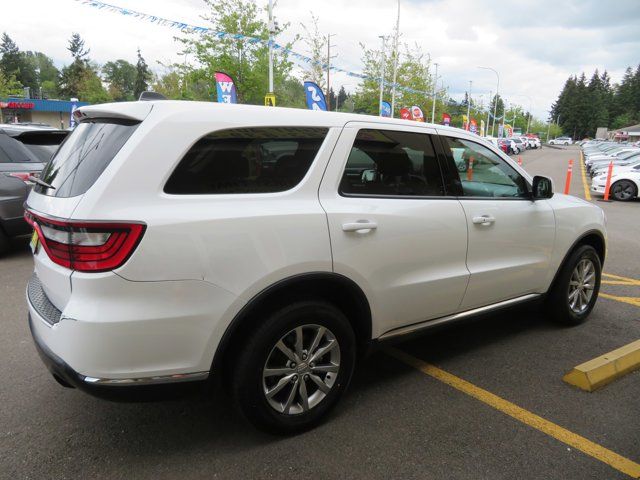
484	220
358	226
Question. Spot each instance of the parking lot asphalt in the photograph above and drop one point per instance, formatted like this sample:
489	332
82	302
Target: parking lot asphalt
395	422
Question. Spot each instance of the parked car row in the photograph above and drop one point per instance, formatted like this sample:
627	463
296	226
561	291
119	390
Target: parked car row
625	174
516	145
24	150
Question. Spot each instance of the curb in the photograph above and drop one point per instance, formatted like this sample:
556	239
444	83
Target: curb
602	370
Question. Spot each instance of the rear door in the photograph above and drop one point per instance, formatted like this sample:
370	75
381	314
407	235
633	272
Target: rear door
394	227
511	237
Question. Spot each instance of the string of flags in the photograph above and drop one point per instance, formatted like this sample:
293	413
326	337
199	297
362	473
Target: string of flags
188	28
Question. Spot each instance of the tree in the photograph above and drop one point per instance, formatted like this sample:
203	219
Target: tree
14	63
246	62
142	76
9	85
342	96
76	47
121	78
316	44
46	73
414	71
80	79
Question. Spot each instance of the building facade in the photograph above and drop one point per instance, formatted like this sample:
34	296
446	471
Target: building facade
55	113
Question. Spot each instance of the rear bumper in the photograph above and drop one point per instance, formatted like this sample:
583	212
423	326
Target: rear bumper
132	391
113	335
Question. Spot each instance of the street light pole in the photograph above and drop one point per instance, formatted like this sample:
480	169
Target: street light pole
271	32
469	106
395	63
495	106
486	128
433	107
329	57
382	61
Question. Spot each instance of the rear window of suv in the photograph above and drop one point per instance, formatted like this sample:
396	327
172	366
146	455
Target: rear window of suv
83	156
247	160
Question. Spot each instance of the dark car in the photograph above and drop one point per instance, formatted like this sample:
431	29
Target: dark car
24	150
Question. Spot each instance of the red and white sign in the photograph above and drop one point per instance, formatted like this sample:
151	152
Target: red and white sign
405	114
18	105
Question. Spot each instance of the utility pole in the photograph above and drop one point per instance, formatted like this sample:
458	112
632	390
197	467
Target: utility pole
382	61
433	107
486	127
395	63
329	57
469	107
271	32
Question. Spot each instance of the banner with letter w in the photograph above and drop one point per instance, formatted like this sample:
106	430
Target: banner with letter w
226	88
315	97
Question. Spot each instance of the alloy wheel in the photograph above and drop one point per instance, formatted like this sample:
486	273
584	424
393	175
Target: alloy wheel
581	286
301	369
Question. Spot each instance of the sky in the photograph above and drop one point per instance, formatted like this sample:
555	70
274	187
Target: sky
533	45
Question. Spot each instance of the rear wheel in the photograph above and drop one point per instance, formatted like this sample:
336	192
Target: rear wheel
624	190
295	367
4	242
575	290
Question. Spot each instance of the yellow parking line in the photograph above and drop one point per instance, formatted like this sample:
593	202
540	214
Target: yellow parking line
616	282
587	193
611	458
627	280
635	301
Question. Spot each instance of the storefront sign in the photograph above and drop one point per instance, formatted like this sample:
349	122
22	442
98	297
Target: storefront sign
18	105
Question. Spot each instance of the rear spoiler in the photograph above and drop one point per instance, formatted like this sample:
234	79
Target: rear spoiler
132	111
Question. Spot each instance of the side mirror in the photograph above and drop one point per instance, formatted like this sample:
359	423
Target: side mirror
542	188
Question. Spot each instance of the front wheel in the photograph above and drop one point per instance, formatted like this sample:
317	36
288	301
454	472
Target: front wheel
295	367
624	190
575	290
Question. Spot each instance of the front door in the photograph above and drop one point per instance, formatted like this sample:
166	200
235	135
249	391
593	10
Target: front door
511	237
394	228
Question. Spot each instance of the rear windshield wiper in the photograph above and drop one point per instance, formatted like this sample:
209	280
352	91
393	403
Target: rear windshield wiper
42	183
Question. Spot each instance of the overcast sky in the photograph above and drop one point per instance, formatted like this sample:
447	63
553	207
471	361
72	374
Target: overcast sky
534	46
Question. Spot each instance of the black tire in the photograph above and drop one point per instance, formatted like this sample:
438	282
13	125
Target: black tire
5	243
247	380
557	303
624	190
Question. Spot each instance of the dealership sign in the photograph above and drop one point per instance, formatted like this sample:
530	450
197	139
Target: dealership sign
18	105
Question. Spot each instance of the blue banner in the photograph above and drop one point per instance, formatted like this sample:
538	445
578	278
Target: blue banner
74	107
315	97
385	109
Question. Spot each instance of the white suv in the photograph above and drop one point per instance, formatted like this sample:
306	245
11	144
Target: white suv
272	246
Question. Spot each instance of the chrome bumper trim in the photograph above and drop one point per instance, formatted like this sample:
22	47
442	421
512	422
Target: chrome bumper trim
179	377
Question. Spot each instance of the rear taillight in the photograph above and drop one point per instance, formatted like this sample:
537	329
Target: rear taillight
24	176
86	246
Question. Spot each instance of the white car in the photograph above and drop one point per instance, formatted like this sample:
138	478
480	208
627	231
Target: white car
175	241
625	184
561	141
534	142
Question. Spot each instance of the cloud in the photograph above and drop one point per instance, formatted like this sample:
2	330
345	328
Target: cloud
534	45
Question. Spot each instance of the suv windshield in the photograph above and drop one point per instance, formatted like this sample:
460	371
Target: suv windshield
83	156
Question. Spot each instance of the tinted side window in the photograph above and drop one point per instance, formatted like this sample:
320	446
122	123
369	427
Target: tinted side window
483	173
392	163
83	156
247	160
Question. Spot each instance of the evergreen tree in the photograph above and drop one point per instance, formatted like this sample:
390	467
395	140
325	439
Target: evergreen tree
142	77
332	98
15	64
76	47
342	97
